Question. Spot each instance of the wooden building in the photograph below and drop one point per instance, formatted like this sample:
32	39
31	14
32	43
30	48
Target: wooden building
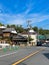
9	35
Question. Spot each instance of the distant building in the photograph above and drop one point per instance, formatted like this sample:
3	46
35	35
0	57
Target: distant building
2	27
47	38
9	35
41	37
33	35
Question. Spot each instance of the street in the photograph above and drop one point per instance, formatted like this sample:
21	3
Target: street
24	32
42	58
10	57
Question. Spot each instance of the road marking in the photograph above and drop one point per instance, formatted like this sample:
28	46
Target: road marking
8	54
21	60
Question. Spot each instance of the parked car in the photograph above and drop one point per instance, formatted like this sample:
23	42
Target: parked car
39	43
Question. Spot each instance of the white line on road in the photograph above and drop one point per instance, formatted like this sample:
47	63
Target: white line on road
7	54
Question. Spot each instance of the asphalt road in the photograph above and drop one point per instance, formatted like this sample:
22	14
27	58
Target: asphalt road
42	58
10	57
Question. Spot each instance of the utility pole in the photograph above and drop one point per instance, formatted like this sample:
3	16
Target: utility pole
38	34
28	25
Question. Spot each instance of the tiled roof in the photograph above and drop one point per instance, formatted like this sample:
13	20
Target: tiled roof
19	37
12	30
30	32
1	27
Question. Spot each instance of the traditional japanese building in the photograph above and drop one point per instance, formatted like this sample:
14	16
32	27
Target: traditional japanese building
9	35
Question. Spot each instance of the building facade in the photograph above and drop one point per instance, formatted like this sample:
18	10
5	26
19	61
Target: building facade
9	35
33	35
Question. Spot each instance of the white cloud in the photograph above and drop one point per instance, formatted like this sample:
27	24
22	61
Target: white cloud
12	19
29	7
38	17
21	18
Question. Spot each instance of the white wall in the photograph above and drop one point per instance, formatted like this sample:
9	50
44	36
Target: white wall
33	36
2	45
25	35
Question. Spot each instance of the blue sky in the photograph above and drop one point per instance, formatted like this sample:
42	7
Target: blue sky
19	11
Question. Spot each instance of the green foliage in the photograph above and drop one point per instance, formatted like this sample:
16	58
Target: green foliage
43	32
35	29
8	26
30	39
1	24
20	29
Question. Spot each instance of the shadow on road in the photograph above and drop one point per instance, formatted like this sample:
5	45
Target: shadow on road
46	55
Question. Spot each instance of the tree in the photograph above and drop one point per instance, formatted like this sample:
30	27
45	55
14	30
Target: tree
19	28
30	39
1	24
35	29
40	31
8	26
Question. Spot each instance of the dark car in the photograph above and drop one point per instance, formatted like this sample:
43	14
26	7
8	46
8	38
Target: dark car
39	43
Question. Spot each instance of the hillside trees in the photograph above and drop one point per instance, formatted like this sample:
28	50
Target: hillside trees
20	29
